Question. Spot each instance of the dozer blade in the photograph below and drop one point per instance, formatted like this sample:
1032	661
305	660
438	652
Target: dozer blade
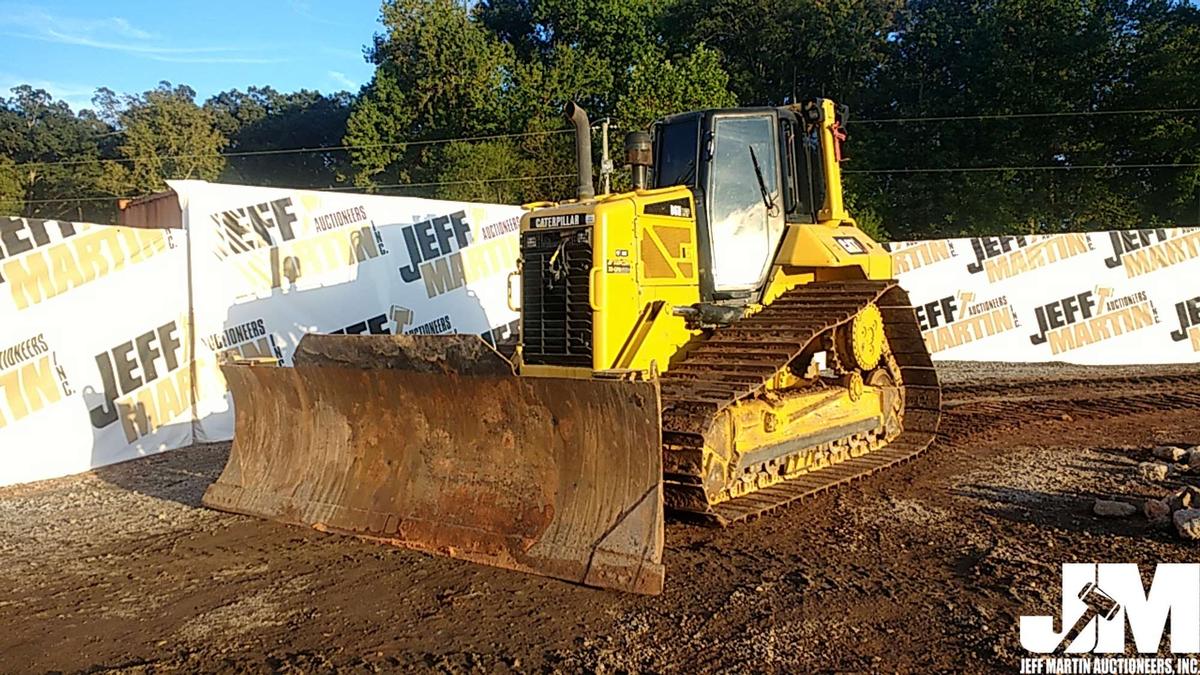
432	443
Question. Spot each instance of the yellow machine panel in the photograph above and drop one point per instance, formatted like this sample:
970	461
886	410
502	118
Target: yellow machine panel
643	263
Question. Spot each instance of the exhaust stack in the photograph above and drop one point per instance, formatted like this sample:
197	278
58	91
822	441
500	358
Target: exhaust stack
583	149
639	153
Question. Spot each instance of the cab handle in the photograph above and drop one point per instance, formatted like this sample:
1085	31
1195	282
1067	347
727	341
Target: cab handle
594	299
509	289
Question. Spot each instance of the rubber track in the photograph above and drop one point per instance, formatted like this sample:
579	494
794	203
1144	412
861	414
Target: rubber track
735	362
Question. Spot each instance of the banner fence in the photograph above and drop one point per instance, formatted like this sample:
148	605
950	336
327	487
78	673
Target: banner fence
1097	298
111	337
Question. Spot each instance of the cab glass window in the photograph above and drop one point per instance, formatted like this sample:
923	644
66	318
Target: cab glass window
745	215
676	161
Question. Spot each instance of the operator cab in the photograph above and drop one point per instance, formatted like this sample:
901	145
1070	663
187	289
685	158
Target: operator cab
752	170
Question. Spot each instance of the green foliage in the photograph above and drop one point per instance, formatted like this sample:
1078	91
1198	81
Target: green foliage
619	31
615	33
777	51
262	120
658	87
1033	56
164	135
379	119
438	75
514	64
36	132
12	191
492	76
866	216
481	172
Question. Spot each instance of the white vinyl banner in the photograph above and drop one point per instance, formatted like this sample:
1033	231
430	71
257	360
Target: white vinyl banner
1103	298
94	363
98	330
269	265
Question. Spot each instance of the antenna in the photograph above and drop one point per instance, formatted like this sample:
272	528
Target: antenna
606	163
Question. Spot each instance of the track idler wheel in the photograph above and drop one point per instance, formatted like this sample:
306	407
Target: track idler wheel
860	342
854	384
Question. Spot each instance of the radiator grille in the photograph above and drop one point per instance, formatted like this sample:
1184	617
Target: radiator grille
555	313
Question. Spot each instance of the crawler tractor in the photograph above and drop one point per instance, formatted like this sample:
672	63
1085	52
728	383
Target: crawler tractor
715	343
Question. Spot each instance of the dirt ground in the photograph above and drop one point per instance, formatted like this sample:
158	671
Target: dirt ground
926	567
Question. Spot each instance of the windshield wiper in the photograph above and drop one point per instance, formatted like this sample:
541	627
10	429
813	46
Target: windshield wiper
768	201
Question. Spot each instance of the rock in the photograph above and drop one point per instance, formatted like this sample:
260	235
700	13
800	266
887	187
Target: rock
1193	458
1170	453
1154	470
1187	498
1187	523
1112	509
1157	511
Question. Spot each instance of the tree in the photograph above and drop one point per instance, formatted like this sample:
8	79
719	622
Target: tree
164	135
612	33
438	75
482	172
466	102
1163	68
50	158
505	70
779	50
262	119
542	162
12	191
658	87
1011	58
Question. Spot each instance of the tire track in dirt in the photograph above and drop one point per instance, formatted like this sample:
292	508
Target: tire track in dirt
972	412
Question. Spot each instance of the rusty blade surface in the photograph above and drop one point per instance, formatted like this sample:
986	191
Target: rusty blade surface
559	477
448	354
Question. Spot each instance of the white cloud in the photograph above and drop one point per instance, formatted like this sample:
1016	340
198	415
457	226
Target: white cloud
36	24
119	26
304	9
343	81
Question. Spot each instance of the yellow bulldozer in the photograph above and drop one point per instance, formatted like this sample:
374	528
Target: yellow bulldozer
715	343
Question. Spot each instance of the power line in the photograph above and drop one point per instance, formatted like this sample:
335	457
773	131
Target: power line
64	200
966	169
335	188
438	141
292	151
455	182
1005	116
980	169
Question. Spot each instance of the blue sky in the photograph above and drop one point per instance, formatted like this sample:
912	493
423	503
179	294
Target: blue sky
71	47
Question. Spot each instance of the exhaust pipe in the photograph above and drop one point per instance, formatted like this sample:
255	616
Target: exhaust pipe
583	149
639	153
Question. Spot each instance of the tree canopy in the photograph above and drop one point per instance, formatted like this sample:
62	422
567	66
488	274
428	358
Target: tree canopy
263	120
37	134
993	116
163	134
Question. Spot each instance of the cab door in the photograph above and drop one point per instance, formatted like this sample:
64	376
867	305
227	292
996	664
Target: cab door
745	210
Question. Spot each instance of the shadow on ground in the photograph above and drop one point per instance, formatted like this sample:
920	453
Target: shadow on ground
179	476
